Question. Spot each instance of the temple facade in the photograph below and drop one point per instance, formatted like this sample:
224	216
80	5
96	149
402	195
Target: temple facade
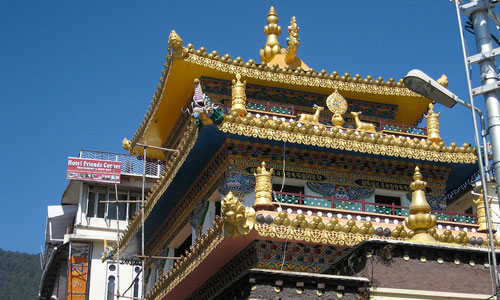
292	183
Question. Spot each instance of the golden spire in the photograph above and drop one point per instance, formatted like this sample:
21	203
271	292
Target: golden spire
272	30
239	98
263	188
419	219
433	125
292	41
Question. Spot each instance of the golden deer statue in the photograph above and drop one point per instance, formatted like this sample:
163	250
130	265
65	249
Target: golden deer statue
362	125
314	118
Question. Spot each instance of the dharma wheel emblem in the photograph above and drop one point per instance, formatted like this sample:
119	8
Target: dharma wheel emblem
336	103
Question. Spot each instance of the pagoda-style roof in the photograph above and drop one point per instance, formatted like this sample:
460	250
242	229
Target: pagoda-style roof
184	65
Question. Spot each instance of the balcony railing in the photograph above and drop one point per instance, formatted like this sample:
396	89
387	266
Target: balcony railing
368	207
281	109
402	129
131	165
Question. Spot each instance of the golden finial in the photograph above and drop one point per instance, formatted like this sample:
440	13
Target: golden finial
238	219
443	80
175	43
481	211
292	41
263	188
239	97
420	220
433	125
272	30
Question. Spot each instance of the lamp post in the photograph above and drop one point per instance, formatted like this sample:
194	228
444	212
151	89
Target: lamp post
422	84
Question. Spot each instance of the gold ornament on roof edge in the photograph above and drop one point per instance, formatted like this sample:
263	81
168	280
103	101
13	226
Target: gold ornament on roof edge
362	125
433	125
126	144
420	220
263	188
175	43
481	213
238	219
311	118
338	106
239	97
272	30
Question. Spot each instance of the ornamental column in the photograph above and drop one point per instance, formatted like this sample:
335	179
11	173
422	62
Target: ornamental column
433	125
239	97
263	188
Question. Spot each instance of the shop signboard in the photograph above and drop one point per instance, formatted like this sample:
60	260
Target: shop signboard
93	170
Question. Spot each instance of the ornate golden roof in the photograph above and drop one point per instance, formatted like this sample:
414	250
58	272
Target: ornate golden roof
185	64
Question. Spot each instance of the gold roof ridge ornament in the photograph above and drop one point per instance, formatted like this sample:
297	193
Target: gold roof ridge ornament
239	98
420	220
272	30
263	188
175	45
433	125
443	80
292	41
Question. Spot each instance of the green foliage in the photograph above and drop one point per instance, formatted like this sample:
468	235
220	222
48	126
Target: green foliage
20	275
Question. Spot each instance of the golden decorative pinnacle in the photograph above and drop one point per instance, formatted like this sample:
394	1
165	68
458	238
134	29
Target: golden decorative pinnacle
263	188
238	219
175	43
420	220
239	98
292	41
433	125
443	80
272	30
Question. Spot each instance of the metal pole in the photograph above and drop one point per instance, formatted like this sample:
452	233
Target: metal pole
117	243
142	222
483	42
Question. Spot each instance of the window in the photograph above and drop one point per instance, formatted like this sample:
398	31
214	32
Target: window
95	205
183	247
289	188
135	290
470	210
96	208
110	284
382	199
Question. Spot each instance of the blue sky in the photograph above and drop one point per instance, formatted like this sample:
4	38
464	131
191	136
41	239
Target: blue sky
80	74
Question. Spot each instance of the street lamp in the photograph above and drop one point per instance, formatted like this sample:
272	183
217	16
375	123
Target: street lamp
422	84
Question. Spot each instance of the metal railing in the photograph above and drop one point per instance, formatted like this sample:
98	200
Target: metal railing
368	207
131	165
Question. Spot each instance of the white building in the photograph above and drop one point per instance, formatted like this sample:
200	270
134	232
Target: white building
78	228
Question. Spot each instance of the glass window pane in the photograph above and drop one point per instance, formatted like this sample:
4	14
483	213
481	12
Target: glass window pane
122	207
111	207
91	204
101	206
